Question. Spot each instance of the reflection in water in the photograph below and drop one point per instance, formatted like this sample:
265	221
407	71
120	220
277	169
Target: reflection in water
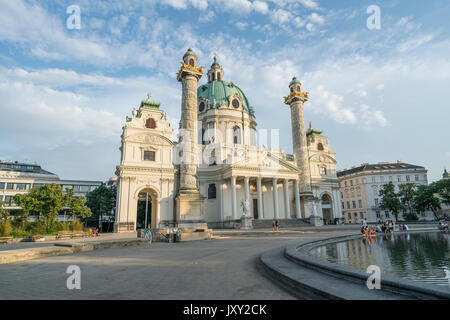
417	256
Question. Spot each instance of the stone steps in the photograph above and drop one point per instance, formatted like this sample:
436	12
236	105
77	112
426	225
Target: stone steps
305	283
284	223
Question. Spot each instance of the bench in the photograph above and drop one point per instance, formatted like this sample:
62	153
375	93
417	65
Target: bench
71	235
5	239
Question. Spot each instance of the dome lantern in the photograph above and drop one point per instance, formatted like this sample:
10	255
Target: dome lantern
215	73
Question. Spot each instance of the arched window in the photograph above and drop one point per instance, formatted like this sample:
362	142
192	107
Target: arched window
320	147
150	123
212	191
213	76
191	62
219	78
237	135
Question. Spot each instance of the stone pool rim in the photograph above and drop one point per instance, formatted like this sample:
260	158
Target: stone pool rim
299	253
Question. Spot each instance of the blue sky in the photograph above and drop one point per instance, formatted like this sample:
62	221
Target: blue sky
379	95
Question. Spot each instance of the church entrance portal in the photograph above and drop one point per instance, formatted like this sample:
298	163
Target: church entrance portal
146	209
327	209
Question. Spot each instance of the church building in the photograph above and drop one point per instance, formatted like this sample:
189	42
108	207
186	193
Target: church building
218	174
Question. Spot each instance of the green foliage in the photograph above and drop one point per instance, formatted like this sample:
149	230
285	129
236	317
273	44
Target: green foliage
3	212
406	194
442	188
425	200
390	200
76	226
49	200
102	200
5	228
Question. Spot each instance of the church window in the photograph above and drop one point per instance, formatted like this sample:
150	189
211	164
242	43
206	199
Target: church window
323	171
150	123
149	156
298	88
201	106
320	147
219	78
235	103
191	62
213	76
237	135
212	191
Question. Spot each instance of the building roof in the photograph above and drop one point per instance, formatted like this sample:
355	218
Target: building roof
23	167
220	91
294	81
190	52
380	167
445	175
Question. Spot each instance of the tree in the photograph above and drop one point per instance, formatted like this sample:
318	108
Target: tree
102	201
407	193
49	200
442	188
3	212
425	200
390	200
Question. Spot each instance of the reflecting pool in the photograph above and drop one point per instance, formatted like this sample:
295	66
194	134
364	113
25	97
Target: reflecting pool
421	257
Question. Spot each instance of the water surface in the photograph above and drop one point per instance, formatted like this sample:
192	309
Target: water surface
423	257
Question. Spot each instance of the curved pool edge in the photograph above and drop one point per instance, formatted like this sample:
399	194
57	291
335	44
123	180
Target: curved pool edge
299	254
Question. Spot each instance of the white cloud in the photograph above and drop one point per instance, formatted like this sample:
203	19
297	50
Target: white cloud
209	16
414	43
260	6
310	4
241	25
315	18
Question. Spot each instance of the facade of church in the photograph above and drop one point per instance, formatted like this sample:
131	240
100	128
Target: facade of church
216	173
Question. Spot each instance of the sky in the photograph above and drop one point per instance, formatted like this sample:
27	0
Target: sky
378	94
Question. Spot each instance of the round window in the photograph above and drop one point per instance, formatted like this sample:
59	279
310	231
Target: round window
235	103
201	106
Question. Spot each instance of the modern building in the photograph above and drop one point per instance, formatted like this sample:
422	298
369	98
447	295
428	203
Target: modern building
360	188
219	171
20	178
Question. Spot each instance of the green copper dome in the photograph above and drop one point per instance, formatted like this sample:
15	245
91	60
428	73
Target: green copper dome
294	81
445	174
189	52
220	91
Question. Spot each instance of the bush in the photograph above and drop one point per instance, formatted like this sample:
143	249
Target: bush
77	226
5	228
411	217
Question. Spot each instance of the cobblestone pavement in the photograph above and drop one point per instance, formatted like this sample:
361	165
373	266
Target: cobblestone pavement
215	269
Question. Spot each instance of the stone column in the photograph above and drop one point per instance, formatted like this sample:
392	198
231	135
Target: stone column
221	217
297	200
286	199
247	194
190	204
260	201
233	198
295	100
275	198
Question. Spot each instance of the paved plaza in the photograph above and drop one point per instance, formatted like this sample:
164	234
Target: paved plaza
222	268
